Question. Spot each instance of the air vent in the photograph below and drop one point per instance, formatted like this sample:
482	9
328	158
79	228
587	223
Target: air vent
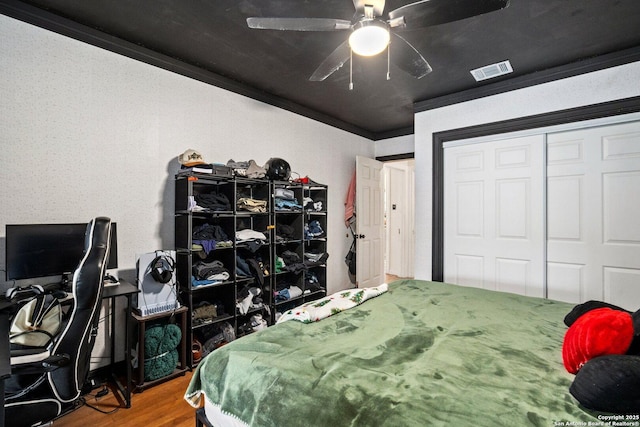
491	71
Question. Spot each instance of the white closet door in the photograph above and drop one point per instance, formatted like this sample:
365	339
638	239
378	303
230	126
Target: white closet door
494	223
593	213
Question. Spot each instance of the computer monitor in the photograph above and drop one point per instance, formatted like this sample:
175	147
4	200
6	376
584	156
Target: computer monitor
41	250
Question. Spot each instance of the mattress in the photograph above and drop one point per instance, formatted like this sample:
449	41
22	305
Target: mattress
423	353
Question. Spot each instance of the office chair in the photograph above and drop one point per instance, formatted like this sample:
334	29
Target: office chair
46	381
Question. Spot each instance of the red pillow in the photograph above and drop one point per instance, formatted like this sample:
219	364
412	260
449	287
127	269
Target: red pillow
596	333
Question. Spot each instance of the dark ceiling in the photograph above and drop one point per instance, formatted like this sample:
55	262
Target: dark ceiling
209	40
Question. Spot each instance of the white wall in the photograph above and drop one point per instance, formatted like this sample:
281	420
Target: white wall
86	132
398	145
592	88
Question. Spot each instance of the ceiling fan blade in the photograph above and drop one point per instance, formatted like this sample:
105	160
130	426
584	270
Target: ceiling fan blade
298	24
333	62
378	6
407	58
426	13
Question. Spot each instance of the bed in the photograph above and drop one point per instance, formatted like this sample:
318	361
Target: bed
422	353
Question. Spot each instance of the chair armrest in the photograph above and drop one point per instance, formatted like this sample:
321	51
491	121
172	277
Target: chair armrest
34	361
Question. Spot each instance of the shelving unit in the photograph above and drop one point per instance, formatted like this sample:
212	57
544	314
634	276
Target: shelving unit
255	253
141	323
254	227
315	211
294	244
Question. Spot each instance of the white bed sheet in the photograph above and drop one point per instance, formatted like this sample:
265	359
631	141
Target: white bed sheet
217	418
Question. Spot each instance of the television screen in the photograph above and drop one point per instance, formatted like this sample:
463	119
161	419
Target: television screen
40	250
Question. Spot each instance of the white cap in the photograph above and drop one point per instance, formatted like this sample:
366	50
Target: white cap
190	158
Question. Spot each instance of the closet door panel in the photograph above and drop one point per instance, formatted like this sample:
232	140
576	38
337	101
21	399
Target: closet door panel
494	234
565	281
621	286
564	201
620	226
592	212
469	271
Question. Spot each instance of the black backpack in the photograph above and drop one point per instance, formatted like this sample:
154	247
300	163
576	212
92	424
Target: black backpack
350	260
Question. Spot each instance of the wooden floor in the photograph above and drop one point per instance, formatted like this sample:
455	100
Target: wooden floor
390	278
158	406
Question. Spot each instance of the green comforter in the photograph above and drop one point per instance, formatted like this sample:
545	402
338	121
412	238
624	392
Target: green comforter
424	353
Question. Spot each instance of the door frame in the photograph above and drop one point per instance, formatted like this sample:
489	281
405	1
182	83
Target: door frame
574	115
405	217
408	266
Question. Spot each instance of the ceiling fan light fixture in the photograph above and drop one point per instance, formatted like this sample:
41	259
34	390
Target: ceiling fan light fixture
369	37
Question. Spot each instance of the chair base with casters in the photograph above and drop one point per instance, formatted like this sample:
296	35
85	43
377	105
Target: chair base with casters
47	381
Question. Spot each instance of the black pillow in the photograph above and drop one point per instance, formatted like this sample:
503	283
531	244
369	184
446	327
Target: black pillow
581	309
609	384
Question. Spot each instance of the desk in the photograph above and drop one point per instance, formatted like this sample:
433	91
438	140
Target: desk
124	289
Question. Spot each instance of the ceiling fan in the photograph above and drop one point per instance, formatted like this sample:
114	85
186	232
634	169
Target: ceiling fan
371	35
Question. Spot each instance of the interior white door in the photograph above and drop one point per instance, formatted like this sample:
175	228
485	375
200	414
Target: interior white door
396	209
594	215
369	223
493	208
